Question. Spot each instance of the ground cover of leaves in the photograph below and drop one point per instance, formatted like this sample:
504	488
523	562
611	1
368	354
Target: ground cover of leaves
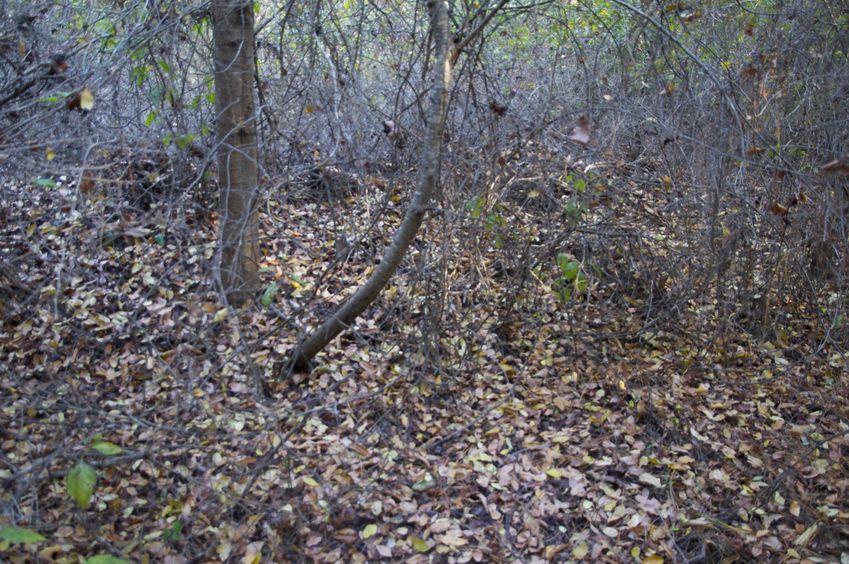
561	432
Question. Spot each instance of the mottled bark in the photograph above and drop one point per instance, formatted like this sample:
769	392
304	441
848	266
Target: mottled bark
233	26
427	180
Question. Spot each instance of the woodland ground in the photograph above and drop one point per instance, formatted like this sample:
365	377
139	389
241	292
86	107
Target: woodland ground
451	430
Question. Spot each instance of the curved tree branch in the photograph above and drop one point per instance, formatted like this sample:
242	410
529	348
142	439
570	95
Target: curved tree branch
427	180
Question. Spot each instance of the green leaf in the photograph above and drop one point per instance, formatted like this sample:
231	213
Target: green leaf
475	206
174	534
46	182
20	535
106	448
184	141
562	260
581	185
418	544
80	483
105	559
573	212
569	268
269	295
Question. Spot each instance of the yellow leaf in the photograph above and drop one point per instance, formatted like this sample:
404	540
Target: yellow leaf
50	552
51	154
86	99
310	481
554	473
369	531
220	315
224	549
418	544
580	551
805	538
653	559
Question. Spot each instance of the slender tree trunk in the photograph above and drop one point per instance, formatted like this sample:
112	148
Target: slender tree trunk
427	180
233	26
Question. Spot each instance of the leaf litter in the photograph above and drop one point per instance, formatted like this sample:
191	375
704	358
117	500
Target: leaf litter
569	434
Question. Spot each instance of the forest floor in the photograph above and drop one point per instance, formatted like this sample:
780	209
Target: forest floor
446	427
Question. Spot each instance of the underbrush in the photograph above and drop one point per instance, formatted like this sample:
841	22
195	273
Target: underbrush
554	374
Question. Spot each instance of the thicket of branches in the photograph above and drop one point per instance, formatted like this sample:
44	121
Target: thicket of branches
613	173
735	110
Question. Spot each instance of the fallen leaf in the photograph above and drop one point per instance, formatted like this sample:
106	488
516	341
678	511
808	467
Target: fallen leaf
794	508
310	481
580	551
837	166
369	531
80	483
86	99
805	538
554	473
581	132
453	538
418	544
650	479
779	209
20	535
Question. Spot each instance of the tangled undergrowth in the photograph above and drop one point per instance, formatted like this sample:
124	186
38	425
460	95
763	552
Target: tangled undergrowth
505	400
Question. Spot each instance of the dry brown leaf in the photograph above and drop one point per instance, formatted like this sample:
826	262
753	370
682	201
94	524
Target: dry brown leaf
837	166
779	209
581	132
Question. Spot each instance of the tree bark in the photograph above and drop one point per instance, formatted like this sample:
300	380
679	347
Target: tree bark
427	180
237	268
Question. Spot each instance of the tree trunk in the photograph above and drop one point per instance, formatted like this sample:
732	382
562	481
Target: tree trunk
427	180
237	269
